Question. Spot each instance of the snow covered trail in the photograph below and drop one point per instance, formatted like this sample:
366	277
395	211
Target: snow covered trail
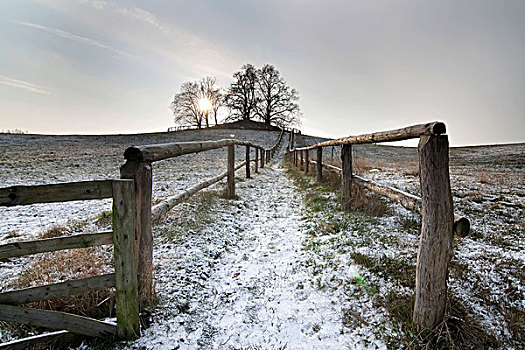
242	281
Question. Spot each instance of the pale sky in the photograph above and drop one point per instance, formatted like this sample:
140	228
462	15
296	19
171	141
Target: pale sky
101	67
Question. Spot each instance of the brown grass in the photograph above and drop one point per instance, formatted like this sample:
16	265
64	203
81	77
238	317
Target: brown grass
68	265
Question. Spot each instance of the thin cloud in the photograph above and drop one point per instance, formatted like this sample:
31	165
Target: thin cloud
74	37
25	85
135	13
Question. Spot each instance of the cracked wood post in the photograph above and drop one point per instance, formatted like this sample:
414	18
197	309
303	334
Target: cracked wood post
262	158
256	160
435	247
346	176
230	183
306	162
248	162
126	284
319	164
141	173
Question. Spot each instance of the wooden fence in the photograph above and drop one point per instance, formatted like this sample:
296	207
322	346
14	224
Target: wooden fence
435	206
131	236
124	279
138	167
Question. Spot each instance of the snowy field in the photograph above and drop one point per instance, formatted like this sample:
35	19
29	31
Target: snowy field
265	271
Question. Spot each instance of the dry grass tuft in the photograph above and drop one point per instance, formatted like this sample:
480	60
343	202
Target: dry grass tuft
367	202
68	265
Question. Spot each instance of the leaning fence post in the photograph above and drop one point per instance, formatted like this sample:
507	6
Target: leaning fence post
306	162
435	246
256	160
319	164
230	183
124	237
247	162
346	176
141	173
262	158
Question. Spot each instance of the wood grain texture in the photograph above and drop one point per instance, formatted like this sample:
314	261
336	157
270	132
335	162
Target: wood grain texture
11	250
346	176
57	290
319	165
124	237
435	247
142	174
62	192
57	320
410	132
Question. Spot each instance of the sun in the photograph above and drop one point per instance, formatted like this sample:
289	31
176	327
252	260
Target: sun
205	104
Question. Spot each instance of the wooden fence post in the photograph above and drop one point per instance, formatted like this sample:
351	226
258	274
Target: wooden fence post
141	173
435	247
256	160
268	156
247	162
332	157
346	176
306	162
124	237
262	158
302	161
319	164
230	184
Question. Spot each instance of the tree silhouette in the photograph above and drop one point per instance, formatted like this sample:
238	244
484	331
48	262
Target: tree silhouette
196	101
277	102
241	98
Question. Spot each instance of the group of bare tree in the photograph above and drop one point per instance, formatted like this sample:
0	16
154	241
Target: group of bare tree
255	94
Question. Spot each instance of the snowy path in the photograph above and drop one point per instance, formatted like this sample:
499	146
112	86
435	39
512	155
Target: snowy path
243	281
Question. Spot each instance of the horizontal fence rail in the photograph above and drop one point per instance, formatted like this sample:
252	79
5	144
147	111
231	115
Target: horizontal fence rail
86	240
411	132
63	192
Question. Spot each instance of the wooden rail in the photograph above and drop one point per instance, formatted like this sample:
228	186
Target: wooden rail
435	206
407	200
124	279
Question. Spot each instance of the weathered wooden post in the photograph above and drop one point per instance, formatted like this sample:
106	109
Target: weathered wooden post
319	164
247	162
268	156
302	160
435	247
292	140
332	157
346	176
262	158
306	162
126	285
256	160
140	171
230	183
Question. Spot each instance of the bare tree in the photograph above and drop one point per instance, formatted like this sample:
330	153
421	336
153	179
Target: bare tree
242	98
185	105
196	101
277	102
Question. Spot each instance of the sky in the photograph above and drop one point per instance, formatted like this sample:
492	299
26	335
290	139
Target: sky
105	67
